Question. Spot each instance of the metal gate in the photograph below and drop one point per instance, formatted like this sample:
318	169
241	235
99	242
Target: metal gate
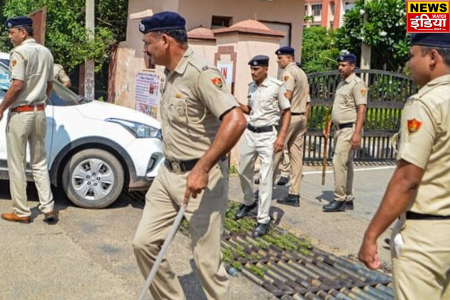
387	93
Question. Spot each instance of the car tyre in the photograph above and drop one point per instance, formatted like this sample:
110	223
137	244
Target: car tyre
93	178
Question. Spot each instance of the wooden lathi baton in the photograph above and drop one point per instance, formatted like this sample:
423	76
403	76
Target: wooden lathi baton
325	148
162	252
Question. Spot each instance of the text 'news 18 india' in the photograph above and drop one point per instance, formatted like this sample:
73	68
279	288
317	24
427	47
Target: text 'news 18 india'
428	16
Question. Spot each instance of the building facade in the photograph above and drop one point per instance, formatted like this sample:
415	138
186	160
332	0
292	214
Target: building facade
327	13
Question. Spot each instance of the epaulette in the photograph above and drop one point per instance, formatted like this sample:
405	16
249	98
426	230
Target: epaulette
276	81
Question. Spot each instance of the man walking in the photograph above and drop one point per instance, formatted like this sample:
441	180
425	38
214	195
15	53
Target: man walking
201	122
31	67
266	103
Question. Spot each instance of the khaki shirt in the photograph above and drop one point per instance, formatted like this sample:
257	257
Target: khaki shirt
60	74
266	101
350	93
194	99
32	63
425	143
295	80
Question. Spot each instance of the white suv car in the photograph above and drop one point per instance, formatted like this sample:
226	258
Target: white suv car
94	149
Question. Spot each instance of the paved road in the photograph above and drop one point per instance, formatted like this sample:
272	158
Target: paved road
340	233
88	254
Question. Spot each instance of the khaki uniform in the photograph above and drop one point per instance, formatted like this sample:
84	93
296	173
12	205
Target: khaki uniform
421	265
350	93
193	100
267	101
33	64
295	80
60	74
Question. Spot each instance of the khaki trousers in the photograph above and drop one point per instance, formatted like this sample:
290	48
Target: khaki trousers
343	165
285	164
421	268
22	129
261	145
294	142
205	216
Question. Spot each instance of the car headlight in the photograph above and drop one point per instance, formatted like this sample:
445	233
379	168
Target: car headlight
139	130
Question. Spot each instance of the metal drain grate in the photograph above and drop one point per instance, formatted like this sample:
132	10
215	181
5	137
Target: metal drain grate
290	268
308	275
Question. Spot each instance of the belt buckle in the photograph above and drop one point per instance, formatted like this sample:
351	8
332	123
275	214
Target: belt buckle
176	167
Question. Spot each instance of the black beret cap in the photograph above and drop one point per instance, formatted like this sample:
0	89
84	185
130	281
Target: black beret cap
162	21
285	51
440	40
259	60
347	58
18	21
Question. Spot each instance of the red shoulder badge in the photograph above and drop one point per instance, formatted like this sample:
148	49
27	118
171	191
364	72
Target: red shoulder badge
14	63
413	125
363	91
217	81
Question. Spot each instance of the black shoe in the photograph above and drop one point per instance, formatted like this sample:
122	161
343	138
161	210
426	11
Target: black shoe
334	206
349	205
292	200
260	230
257	181
244	210
283	180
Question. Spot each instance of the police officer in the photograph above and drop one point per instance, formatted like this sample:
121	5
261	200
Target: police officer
266	102
349	109
297	91
201	122
61	75
31	67
419	191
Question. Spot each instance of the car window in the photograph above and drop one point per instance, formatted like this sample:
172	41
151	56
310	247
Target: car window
62	96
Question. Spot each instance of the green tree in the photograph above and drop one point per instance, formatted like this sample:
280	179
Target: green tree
319	50
384	31
65	31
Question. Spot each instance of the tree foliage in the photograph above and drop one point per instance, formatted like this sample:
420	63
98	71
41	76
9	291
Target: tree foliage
319	50
65	31
384	30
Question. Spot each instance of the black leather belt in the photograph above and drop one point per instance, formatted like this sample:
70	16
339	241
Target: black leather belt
184	166
345	125
180	166
260	129
297	114
416	216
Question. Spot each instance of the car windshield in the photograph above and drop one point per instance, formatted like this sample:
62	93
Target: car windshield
61	96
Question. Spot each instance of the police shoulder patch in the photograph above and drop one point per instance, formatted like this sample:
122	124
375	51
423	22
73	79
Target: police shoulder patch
217	81
14	63
413	125
286	78
363	91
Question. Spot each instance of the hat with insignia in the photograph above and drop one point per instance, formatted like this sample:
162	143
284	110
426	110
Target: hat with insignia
440	40
18	22
165	20
285	51
349	57
259	61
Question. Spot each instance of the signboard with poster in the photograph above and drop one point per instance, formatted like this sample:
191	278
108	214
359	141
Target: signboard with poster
147	92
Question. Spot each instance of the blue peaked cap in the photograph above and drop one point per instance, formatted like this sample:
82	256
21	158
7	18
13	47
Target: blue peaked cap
18	21
165	20
440	40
